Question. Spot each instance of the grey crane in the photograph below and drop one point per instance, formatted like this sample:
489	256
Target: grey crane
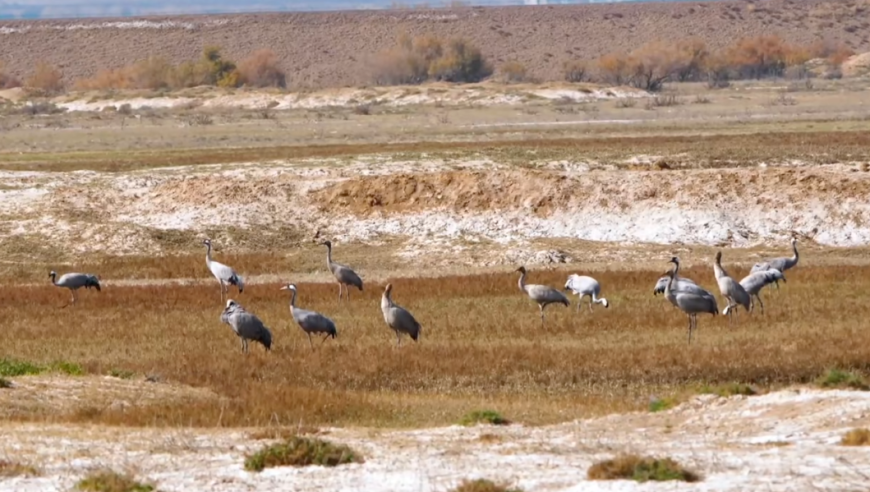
398	318
583	286
310	321
75	281
343	273
542	294
730	289
690	303
246	325
754	282
782	264
682	284
225	275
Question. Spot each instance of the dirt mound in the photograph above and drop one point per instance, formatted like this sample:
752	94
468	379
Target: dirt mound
541	38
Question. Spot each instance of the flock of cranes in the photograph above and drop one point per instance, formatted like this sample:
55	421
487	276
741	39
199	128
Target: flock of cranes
684	293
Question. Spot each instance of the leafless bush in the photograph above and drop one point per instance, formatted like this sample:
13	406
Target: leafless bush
363	109
125	109
513	71
701	99
200	119
34	108
664	101
423	58
575	71
626	102
45	80
7	81
261	69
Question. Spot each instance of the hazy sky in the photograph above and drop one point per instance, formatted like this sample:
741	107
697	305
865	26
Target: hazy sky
34	9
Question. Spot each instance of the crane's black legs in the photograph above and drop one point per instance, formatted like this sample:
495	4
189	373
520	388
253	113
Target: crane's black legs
309	342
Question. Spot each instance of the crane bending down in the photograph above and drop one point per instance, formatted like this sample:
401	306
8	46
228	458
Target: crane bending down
689	302
343	273
731	290
583	286
310	321
398	318
75	281
542	294
782	264
246	325
225	275
754	282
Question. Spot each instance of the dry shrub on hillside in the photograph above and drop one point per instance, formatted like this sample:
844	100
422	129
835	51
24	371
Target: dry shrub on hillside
7	81
513	71
575	70
640	469
261	69
761	56
416	60
46	79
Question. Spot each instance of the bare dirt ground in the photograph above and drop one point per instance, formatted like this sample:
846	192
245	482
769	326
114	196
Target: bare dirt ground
335	49
785	440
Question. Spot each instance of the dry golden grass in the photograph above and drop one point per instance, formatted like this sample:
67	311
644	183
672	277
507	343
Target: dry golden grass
482	346
856	437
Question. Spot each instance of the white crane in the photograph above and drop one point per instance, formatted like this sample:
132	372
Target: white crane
782	264
246	325
690	303
583	286
398	318
731	290
754	282
75	281
225	275
542	294
342	273
310	321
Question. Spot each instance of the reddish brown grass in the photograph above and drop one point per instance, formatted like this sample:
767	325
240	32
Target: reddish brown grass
481	347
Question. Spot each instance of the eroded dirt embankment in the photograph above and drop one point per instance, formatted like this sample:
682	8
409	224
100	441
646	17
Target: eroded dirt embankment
456	204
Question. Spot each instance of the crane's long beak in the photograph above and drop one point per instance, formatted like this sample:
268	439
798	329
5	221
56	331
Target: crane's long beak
284	288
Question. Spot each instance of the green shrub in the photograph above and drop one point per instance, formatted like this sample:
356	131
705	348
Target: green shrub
483	417
640	469
835	378
302	451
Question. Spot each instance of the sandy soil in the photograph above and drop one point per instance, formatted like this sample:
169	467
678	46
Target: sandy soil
335	49
781	441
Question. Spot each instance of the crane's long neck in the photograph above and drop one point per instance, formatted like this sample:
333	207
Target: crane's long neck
719	271
387	300
292	301
522	281
329	255
676	269
208	253
794	258
53	278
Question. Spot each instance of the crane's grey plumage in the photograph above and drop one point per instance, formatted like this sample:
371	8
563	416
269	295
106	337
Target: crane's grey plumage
246	325
690	303
754	282
310	321
681	284
542	294
343	273
225	275
782	263
731	290
397	317
583	286
75	281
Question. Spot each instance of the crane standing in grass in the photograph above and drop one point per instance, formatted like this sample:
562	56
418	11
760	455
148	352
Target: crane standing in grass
782	264
75	281
682	284
691	303
343	273
754	282
583	286
225	275
542	294
398	318
246	325
731	290
310	321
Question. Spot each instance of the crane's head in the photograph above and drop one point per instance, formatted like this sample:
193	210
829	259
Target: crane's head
206	242
718	257
231	303
388	288
521	269
52	274
326	243
289	287
675	260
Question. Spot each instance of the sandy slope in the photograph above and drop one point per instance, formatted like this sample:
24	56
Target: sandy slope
781	441
336	48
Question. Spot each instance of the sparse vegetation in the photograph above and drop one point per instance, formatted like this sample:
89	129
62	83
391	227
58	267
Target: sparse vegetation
261	69
121	374
416	60
575	71
513	71
12	367
836	378
661	404
483	485
729	390
640	469
10	469
111	481
483	417
856	437
302	451
46	80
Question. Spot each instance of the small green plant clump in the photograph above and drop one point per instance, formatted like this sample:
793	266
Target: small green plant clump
5	383
730	390
121	374
110	481
661	404
835	378
483	485
483	417
302	451
12	368
856	437
640	469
